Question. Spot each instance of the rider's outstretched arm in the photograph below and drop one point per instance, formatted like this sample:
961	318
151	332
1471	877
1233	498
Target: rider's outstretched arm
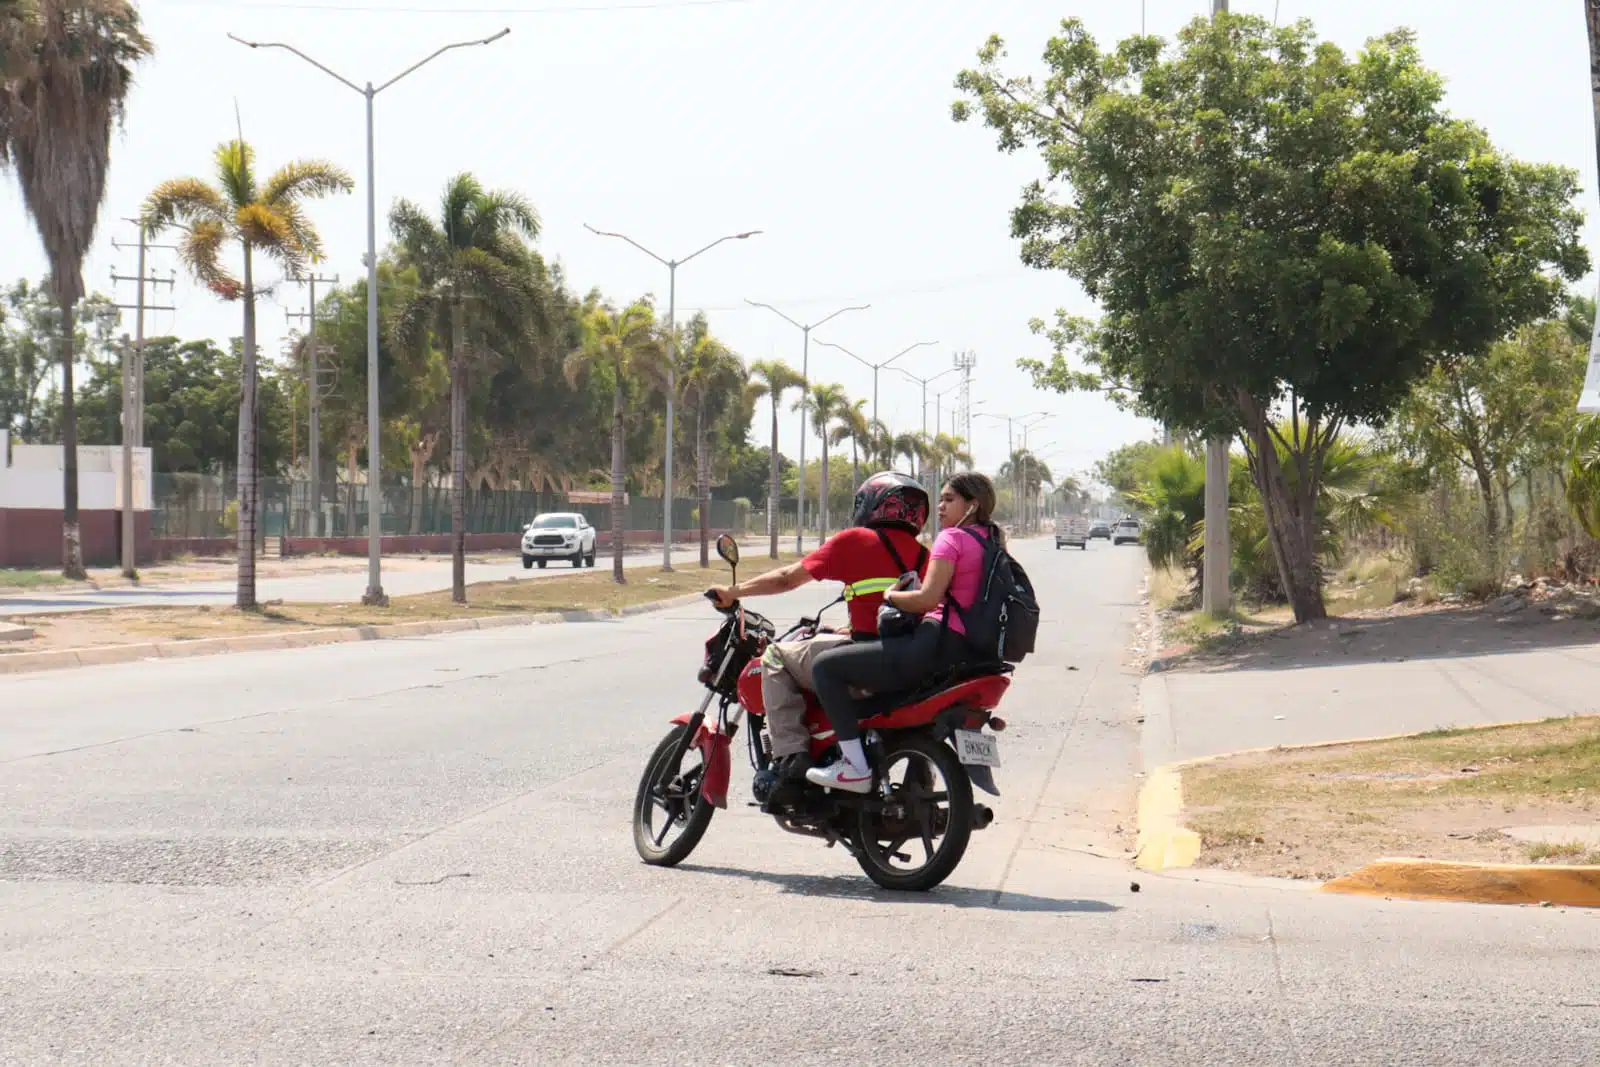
781	580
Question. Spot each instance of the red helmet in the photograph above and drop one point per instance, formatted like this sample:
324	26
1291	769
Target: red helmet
892	499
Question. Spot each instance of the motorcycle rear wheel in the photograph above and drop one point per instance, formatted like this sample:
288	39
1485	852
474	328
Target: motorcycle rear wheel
879	837
670	794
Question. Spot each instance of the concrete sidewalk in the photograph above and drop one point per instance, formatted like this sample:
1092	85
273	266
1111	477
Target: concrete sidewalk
1372	678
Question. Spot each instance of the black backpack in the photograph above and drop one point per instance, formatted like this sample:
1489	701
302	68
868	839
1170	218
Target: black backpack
1003	622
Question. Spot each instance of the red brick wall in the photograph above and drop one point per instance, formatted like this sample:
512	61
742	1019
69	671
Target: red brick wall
31	537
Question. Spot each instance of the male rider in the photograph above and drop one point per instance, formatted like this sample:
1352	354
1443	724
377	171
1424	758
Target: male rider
869	558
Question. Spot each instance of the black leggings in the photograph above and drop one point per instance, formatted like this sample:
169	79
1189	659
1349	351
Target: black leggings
898	664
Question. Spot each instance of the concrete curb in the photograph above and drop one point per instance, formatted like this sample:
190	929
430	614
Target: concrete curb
101	655
1165	843
1473	883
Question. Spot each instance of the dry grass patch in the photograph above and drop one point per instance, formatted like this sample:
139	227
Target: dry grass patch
1447	795
589	591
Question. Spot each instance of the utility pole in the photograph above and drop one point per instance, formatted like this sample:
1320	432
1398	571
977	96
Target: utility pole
1216	596
314	397
964	362
133	389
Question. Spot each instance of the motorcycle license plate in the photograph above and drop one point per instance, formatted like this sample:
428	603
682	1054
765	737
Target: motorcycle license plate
977	748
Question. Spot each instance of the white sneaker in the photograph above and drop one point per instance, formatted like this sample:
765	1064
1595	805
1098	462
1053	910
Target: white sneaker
840	775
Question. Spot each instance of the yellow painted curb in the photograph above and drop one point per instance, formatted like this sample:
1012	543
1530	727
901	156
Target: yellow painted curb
1477	883
1163	839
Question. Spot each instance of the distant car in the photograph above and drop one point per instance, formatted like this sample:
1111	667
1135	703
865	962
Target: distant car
558	535
1125	532
1073	531
1100	528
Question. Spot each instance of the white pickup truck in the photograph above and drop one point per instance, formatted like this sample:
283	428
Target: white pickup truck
1072	530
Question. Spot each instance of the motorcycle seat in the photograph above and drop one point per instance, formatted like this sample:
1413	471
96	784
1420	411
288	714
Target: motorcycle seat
936	683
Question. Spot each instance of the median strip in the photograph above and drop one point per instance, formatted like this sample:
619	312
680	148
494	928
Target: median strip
123	635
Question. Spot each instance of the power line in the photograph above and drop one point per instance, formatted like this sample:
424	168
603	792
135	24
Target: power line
376	9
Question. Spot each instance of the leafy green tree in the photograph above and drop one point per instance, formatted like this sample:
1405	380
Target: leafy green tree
773	378
262	218
623	348
1270	225
480	292
27	327
68	71
191	407
1123	468
1493	416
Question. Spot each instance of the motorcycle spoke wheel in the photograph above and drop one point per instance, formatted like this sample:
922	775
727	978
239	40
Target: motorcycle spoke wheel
669	814
929	802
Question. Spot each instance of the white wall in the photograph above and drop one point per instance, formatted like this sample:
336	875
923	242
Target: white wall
30	476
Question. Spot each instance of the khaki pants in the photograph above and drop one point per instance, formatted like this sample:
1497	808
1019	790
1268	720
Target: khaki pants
785	676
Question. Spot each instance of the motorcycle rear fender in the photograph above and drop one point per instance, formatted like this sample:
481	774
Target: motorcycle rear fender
716	749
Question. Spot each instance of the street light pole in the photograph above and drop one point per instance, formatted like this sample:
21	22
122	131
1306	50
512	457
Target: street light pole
1026	464
876	367
374	594
924	382
1216	596
805	391
672	266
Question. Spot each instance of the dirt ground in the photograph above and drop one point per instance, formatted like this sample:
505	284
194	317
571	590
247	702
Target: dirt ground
593	590
1393	633
1450	795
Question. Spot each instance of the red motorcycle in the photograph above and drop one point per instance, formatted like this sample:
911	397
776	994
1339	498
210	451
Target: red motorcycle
927	749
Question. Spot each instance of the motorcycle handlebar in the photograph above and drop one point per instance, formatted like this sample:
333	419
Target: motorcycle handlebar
711	595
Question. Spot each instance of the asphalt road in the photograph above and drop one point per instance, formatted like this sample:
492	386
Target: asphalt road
418	852
402	576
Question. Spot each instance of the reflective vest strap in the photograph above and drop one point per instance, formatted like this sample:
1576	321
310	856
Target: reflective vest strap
869	586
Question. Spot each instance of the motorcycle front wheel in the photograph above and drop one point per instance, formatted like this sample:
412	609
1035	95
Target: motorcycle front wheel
669	814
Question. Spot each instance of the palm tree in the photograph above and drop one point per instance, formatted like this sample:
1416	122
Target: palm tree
1026	475
625	345
67	67
268	218
855	428
772	378
944	451
1583	475
910	445
480	286
711	375
824	404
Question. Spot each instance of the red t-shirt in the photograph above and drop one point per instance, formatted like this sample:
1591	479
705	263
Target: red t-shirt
857	554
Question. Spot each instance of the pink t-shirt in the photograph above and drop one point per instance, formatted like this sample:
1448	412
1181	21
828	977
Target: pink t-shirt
966	554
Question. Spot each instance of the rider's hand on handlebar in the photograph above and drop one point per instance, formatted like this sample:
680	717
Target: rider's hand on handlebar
722	596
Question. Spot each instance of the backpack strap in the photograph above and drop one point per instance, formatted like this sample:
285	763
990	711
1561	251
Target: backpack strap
883	537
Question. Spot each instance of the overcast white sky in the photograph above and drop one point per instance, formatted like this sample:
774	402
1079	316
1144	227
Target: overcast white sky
824	123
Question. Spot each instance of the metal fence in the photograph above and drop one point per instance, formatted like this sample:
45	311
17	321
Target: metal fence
204	505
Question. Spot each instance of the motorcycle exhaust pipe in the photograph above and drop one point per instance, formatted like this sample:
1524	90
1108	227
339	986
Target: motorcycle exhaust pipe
982	816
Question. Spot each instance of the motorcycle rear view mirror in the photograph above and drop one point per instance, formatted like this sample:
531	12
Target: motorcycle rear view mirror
728	549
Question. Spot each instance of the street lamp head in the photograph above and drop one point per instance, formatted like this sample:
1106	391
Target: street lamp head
495	37
747	233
